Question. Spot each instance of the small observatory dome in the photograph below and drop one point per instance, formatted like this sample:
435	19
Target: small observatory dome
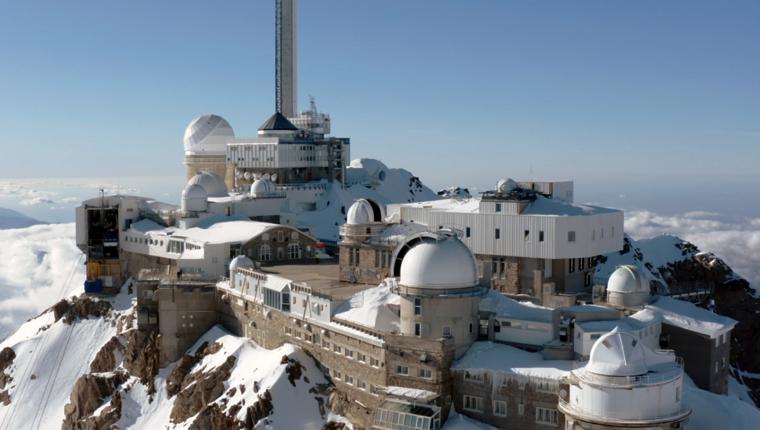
360	212
627	286
211	182
241	262
617	353
208	134
194	198
505	186
262	187
445	263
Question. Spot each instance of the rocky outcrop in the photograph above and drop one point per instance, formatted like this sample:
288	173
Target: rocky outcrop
199	389
186	364
141	356
109	356
80	308
89	394
7	355
213	417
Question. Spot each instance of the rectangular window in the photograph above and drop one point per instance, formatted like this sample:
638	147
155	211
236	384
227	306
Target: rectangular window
417	329
337	349
571	236
349	380
520	409
325	344
336	374
526	235
349	353
425	373
540	235
547	416
571	265
500	408
580	263
361	384
467	232
497	234
374	362
402	370
447	332
472	403
498	207
473	377
361	357
417	306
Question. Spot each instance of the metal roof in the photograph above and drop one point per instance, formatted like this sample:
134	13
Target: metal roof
278	122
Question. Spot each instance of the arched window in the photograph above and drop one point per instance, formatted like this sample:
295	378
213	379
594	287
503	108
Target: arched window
294	251
265	253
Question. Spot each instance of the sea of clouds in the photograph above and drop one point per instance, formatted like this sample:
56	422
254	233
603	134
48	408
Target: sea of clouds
737	242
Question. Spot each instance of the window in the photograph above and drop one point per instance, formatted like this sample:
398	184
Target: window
497	234
571	236
467	232
571	265
265	253
349	353
593	234
547	416
498	207
336	374
447	331
678	394
496	326
547	386
580	263
470	327
325	344
280	236
425	373
526	235
500	408
361	384
349	380
374	362
612	231
417	306
402	370
418	329
472	403
540	235
353	256
294	251
337	349
520	409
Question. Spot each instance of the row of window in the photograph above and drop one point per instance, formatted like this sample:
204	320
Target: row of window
547	416
581	263
295	252
540	385
422	372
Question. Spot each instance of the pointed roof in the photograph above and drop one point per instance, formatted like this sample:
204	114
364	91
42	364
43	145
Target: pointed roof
278	122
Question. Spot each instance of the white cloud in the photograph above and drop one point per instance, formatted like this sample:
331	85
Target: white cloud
736	242
35	265
36	201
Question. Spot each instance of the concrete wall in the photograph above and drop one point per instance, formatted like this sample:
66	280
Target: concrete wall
185	313
700	355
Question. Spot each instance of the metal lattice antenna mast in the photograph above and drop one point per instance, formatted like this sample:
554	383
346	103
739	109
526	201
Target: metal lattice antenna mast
285	61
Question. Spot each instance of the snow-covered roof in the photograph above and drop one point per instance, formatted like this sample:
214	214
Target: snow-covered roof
497	357
400	232
690	317
617	353
410	393
371	308
220	229
542	206
146	225
503	306
628	279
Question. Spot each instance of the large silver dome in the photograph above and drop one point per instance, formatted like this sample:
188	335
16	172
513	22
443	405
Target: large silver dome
208	134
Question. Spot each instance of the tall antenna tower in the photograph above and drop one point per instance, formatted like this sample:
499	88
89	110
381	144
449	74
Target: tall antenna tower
286	62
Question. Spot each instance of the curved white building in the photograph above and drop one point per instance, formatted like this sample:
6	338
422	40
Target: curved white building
211	182
194	198
628	287
440	292
624	385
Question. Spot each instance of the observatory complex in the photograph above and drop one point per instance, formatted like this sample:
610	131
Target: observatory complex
415	306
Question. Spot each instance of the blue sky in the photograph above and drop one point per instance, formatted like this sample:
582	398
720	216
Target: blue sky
623	97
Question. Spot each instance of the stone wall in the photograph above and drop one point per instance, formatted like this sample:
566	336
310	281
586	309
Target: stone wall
186	313
371	268
278	240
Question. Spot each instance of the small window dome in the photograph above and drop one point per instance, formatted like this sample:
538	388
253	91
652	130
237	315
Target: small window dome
445	263
617	353
240	262
211	182
262	187
194	198
627	279
208	134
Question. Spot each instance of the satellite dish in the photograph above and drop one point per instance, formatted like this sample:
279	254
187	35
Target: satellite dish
266	175
247	175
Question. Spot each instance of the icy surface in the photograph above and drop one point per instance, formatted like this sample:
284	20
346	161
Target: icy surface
506	307
690	317
491	356
372	308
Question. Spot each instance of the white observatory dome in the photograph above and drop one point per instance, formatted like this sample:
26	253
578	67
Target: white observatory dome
360	212
262	187
194	198
617	353
445	263
208	134
211	182
505	186
241	262
627	280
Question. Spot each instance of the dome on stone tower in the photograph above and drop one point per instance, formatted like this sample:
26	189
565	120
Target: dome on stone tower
445	263
208	134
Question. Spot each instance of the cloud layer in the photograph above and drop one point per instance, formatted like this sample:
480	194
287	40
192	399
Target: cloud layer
736	242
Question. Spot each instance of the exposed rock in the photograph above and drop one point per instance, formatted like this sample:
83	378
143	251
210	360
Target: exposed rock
333	425
186	364
88	395
199	389
80	308
260	410
7	355
212	417
294	371
108	357
141	356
